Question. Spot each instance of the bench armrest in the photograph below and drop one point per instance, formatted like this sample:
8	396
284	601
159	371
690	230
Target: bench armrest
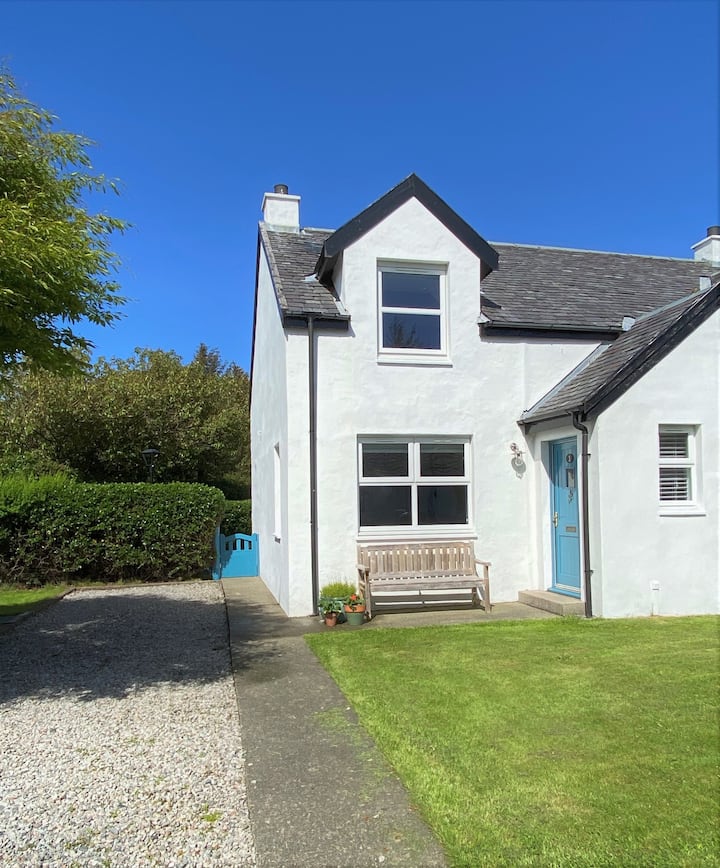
362	568
484	563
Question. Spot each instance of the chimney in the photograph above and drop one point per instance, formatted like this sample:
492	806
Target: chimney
708	249
282	211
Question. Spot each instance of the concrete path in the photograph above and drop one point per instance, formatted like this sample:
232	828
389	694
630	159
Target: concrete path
319	792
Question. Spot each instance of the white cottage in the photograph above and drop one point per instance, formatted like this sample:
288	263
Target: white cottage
560	409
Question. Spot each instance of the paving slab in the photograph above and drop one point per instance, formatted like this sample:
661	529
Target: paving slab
319	791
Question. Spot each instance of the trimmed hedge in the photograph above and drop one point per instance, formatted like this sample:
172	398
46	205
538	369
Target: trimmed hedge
237	518
54	528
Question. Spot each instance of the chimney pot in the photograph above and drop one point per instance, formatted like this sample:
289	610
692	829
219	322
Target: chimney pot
713	230
281	188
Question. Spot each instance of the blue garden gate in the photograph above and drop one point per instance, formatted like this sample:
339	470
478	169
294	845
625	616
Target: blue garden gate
235	555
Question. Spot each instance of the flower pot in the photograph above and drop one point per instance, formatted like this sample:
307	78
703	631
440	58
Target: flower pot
355	618
331	619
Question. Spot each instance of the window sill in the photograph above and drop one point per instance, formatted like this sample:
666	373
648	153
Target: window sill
689	509
415	534
413	359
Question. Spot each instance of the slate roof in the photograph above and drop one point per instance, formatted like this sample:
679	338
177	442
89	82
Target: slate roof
555	288
533	288
612	369
292	257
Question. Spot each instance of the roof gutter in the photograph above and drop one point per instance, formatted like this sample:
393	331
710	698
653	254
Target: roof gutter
585	456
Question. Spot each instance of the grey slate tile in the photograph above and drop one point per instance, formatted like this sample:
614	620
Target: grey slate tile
549	287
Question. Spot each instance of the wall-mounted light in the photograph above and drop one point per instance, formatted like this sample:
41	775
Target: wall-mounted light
516	462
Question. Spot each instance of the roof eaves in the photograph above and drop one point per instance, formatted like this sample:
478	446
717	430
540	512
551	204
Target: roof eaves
535	326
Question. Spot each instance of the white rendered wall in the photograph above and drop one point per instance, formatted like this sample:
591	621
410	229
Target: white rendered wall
635	545
268	426
479	395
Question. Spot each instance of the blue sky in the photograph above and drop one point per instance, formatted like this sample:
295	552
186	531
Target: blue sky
588	124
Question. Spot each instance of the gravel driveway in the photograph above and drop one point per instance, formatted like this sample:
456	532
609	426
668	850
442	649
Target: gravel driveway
119	733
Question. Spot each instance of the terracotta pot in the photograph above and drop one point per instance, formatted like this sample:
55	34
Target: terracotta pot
331	619
354	608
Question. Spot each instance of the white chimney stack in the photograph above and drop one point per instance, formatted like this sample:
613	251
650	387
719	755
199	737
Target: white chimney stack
280	210
708	249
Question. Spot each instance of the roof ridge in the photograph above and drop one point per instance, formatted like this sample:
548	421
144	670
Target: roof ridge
588	250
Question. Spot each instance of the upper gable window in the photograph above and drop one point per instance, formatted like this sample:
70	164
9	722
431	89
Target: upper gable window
412	310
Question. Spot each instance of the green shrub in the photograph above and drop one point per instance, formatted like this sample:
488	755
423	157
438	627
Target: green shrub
53	529
337	590
237	517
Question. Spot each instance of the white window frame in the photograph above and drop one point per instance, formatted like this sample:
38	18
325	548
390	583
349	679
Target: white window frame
690	463
415	481
413	355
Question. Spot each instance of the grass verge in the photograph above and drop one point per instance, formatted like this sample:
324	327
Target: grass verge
549	743
14	600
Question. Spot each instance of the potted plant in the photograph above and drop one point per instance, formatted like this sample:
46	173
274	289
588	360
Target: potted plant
355	608
337	591
330	610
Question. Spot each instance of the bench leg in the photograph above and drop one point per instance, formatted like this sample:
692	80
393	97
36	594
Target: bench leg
483	591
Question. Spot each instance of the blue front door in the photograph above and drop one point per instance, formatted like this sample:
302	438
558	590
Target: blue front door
564	517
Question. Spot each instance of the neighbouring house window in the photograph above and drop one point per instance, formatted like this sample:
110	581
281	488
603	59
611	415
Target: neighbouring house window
412	306
413	483
277	492
677	460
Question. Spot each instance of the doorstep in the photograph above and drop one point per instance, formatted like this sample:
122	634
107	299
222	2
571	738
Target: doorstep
558	604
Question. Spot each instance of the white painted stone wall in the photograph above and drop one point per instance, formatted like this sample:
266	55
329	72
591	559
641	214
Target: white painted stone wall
479	395
268	426
633	544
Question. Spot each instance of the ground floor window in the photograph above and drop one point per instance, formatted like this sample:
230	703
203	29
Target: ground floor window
677	465
413	483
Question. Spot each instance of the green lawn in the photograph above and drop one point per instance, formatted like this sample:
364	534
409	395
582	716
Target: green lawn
14	600
550	743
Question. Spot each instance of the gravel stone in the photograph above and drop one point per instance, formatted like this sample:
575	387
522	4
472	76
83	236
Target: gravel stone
119	733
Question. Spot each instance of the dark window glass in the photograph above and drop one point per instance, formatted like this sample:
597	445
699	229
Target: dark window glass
385	459
382	505
411	330
442	459
400	289
442	504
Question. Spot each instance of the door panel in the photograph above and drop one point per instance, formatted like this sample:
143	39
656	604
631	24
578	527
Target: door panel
565	516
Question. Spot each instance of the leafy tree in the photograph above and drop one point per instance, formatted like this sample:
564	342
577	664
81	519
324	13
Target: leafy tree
55	262
97	424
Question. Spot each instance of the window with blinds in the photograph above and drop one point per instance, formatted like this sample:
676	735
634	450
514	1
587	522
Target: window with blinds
676	464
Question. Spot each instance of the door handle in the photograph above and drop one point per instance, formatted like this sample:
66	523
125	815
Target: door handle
555	519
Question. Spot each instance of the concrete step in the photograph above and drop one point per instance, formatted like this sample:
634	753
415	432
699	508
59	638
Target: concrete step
549	601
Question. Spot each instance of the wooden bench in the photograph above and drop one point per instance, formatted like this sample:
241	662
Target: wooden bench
426	566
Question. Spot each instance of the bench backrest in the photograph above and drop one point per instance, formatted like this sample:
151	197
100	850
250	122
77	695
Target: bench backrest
423	557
